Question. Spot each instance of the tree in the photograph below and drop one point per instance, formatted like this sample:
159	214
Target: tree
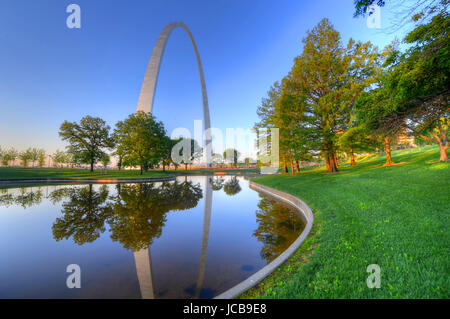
418	85
25	157
87	139
326	80
357	139
168	145
10	156
41	157
186	151
216	158
34	155
105	161
2	154
231	155
59	157
413	91
140	140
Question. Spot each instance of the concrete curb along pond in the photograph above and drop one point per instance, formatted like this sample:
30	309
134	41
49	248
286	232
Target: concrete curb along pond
305	214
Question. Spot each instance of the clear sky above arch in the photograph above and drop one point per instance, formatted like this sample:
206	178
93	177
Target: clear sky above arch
49	73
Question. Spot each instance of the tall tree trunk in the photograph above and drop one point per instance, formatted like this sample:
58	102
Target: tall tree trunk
443	150
443	145
297	166
292	166
335	160
285	170
92	166
164	167
387	147
142	170
332	167
185	167
352	158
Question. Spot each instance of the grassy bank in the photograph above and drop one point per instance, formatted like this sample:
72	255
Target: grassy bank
396	217
8	173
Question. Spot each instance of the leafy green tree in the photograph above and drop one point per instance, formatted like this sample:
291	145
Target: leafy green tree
231	155
216	158
25	157
2	154
34	155
41	157
326	80
418	84
105	161
186	151
168	145
10	156
59	157
87	139
140	140
358	139
412	93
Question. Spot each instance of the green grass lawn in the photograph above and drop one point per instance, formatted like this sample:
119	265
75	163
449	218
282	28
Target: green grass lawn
396	217
8	173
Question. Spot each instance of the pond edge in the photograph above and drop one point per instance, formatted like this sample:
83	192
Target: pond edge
304	210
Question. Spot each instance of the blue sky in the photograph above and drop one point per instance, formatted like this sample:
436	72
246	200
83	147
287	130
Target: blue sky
50	73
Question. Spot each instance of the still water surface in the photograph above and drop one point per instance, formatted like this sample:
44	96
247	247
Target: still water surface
191	238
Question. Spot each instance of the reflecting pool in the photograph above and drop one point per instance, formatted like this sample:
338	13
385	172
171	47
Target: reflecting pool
194	237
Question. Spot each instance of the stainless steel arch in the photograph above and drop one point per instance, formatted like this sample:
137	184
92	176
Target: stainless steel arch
147	94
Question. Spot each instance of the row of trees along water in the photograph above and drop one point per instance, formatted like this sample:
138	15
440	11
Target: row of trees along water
138	141
339	99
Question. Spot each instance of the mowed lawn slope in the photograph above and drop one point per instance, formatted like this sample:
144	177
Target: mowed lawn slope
397	217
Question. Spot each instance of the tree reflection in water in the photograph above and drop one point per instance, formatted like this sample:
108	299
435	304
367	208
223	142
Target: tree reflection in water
139	210
278	228
232	187
135	214
216	183
84	216
25	198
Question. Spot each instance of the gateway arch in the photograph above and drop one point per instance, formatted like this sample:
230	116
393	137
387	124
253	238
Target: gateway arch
147	94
